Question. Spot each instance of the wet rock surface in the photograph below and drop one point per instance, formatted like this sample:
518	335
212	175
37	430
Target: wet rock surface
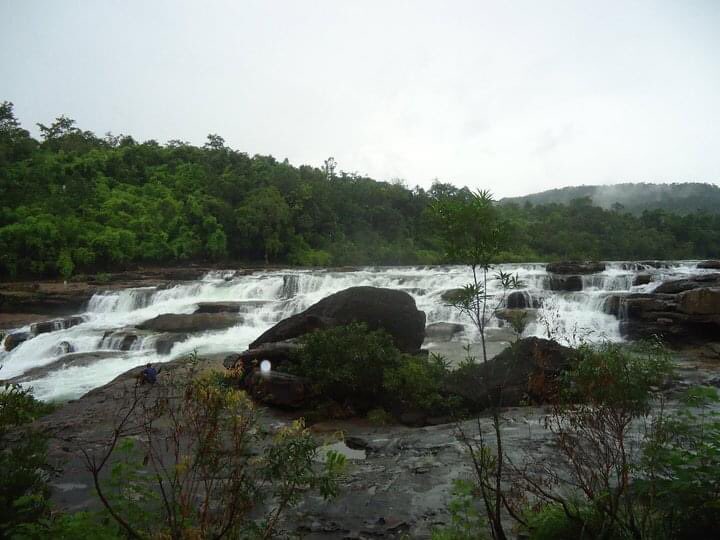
525	372
443	331
682	311
575	267
392	310
195	322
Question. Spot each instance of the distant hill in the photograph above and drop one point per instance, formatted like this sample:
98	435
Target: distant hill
681	198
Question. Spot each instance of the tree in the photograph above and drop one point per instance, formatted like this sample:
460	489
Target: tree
264	219
474	232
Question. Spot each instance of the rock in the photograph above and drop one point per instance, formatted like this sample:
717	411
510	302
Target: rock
705	301
522	300
118	340
575	267
64	347
278	389
451	295
713	265
565	283
393	311
508	315
165	342
413	418
15	339
526	371
614	305
278	353
218	307
55	325
680	285
442	331
77	359
642	279
196	322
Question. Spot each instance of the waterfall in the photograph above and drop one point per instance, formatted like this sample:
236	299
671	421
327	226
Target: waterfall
266	297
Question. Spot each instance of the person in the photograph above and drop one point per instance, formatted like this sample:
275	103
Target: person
148	375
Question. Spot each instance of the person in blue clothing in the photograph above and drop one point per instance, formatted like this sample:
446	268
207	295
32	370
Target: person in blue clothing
148	375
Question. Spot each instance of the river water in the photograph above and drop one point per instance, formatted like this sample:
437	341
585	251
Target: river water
267	297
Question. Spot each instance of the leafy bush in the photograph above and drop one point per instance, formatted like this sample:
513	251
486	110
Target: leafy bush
202	467
364	369
416	381
23	452
681	467
466	521
348	363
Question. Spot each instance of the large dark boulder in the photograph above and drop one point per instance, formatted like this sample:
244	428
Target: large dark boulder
712	265
565	283
443	331
15	339
642	279
525	372
278	354
575	267
695	282
195	322
523	300
704	301
55	325
278	389
391	310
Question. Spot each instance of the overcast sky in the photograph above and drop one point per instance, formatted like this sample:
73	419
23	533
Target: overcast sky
512	96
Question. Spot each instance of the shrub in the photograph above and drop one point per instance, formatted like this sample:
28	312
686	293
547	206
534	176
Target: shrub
23	491
415	382
348	363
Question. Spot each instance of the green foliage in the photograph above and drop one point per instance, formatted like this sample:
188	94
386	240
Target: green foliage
23	491
466	521
364	369
679	474
196	470
552	522
99	204
416	382
624	377
348	363
379	417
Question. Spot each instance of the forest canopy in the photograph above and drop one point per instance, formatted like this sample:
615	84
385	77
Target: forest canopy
74	202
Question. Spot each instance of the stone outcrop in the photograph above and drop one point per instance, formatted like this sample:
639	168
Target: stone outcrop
195	322
391	310
443	331
525	372
278	353
278	389
55	325
16	338
712	265
575	267
563	283
522	300
681	311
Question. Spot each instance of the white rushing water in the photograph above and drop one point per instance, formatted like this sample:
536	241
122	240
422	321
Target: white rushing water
268	297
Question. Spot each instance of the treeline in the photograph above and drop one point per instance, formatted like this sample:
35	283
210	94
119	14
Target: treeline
74	202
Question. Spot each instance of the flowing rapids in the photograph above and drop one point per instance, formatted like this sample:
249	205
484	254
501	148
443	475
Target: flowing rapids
268	297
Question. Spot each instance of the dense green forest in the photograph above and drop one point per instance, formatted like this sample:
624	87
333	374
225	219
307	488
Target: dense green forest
74	202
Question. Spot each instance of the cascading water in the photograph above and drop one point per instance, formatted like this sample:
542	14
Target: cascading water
109	325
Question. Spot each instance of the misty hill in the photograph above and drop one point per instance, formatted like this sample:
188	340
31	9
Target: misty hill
681	198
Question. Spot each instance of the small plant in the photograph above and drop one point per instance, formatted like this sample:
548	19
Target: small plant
24	490
466	520
194	469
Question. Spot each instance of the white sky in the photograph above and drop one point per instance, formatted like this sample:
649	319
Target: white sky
513	96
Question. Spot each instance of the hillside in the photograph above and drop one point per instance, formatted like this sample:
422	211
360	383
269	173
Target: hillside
680	198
